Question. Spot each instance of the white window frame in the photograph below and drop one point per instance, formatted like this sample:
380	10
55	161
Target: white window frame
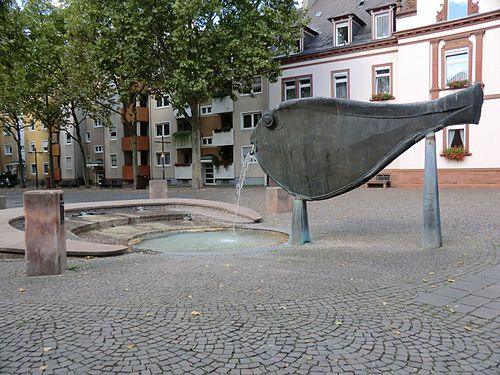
33	169
8	152
98	149
45	146
381	75
254	84
69	140
449	138
207	141
340	25
206	110
341	77
297	85
253	160
455	52
380	15
253	120
45	169
113	129
162	99
32	147
159	159
88	137
115	158
68	162
162	124
97	124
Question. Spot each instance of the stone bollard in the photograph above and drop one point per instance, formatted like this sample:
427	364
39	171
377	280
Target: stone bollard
2	202
278	200
158	189
44	232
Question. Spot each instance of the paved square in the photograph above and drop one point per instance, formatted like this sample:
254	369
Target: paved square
362	298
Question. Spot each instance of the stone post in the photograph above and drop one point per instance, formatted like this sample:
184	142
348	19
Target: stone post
278	200
158	189
299	233
431	229
44	232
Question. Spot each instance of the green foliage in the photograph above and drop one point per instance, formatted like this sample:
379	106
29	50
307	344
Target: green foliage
458	84
455	153
382	96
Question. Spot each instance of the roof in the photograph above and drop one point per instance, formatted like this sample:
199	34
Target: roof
321	11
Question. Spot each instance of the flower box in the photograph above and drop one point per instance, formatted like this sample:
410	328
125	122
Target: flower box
458	84
381	97
455	153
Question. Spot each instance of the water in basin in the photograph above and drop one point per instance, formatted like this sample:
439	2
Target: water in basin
215	240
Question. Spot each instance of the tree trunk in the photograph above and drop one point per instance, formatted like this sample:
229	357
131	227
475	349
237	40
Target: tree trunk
129	121
135	162
20	156
51	159
196	182
79	140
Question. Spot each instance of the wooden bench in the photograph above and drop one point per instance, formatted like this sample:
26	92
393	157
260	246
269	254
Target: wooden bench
380	180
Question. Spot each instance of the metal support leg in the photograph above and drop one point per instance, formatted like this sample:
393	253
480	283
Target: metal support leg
431	230
299	234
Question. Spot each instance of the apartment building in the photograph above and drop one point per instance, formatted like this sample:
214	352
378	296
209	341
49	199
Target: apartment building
406	51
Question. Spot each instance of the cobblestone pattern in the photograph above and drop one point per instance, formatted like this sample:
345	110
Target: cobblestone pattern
348	303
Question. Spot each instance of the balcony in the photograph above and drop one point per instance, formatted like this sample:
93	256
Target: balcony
142	114
182	139
142	143
128	174
184	172
223	138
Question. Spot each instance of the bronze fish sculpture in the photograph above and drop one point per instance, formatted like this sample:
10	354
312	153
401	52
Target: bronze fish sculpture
318	148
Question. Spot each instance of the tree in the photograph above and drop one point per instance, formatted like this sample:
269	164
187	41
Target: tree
120	46
212	48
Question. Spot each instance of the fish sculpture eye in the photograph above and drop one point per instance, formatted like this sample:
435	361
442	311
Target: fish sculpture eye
268	120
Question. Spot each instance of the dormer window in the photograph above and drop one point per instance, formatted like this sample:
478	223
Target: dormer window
344	28
341	34
382	25
382	22
306	38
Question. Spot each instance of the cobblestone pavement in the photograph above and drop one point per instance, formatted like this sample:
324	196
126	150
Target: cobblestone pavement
362	298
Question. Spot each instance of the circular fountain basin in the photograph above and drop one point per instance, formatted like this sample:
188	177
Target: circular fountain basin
212	240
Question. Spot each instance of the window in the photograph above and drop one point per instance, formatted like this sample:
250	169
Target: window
97	124
33	169
256	86
69	140
162	129
68	162
112	132
113	160
87	137
295	88
162	102
207	110
457	65
457	9
341	34
98	149
46	168
7	149
32	126
32	146
9	168
161	157
382	25
383	80
244	152
250	120
455	136
45	146
206	141
89	159
341	85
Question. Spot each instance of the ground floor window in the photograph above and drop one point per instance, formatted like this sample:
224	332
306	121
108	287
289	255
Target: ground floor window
69	162
46	168
160	157
113	160
33	169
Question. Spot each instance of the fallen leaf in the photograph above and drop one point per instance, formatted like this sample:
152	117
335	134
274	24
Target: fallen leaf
22	290
460	263
450	280
47	348
396	332
283	307
125	289
227	265
89	257
384	303
338	323
148	315
468	327
431	273
424	280
190	296
195	313
44	367
130	345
